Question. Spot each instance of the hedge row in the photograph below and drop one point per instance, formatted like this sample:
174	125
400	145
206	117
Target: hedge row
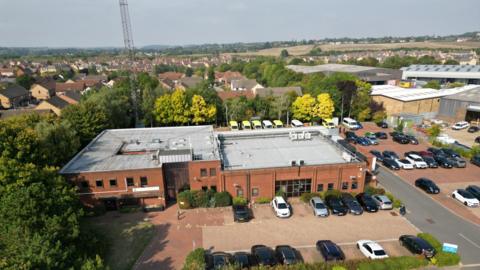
462	151
305	197
189	199
441	258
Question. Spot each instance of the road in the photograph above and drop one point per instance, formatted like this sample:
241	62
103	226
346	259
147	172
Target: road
429	216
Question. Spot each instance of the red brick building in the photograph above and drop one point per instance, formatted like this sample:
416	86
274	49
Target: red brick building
149	166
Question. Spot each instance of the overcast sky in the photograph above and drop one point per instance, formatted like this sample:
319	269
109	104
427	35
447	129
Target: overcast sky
96	23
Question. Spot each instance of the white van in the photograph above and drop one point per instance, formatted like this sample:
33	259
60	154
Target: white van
350	123
267	124
296	123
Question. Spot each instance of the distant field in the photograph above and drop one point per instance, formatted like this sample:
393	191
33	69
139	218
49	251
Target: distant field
305	49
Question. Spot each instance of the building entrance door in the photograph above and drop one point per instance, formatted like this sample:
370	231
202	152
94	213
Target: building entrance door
294	188
176	179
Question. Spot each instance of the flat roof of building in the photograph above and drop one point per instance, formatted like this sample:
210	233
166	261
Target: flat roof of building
412	94
442	71
371	74
274	148
472	95
144	148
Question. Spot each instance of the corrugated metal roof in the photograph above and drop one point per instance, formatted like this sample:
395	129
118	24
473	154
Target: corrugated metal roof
412	94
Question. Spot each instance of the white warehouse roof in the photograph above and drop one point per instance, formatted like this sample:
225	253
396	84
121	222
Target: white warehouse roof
412	94
442	71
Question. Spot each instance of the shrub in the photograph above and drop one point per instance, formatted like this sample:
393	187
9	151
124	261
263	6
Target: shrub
280	193
334	193
239	201
263	200
441	258
200	198
95	211
195	260
305	197
394	263
185	199
223	199
130	209
374	191
396	202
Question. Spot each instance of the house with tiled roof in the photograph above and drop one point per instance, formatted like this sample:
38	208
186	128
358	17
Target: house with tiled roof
244	84
55	104
13	96
43	89
69	86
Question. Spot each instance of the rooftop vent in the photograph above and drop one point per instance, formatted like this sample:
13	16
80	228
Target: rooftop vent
301	162
293	163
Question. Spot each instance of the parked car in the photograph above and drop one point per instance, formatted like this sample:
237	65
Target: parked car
477	140
371	250
363	141
383	202
411	139
286	255
381	135
218	260
382	124
430	161
435	151
404	164
351	137
400	138
367	202
390	163
417	245
450	152
460	125
351	203
336	206
281	207
390	154
319	207
473	129
241	213
465	197
424	154
372	140
444	138
474	190
443	161
427	185
330	251
264	255
243	259
475	160
377	154
458	162
416	160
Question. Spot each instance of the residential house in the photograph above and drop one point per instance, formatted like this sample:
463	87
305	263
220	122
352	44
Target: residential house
244	84
227	77
7	72
72	97
277	91
50	69
188	82
225	95
173	76
13	96
55	104
167	84
43	89
61	88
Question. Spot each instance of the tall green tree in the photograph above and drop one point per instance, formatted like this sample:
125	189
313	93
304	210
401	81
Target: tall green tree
58	141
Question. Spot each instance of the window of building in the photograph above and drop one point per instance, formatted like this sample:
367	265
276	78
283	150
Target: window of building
294	188
344	185
99	183
330	186
239	192
354	185
319	187
129	181
204	188
213	172
213	188
84	184
113	182
254	192
143	181
203	172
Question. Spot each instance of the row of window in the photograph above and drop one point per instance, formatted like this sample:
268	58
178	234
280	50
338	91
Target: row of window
330	186
113	182
204	172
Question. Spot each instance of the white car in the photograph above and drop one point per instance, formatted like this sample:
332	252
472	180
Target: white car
465	197
281	207
417	161
371	249
383	202
460	125
404	164
444	138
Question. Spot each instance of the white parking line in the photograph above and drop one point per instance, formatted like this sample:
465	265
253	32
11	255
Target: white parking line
469	240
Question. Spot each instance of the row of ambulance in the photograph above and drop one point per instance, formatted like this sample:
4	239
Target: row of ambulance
267	124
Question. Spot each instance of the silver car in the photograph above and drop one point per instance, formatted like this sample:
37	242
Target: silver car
319	207
383	202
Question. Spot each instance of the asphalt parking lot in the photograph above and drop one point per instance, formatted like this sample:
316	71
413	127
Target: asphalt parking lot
462	136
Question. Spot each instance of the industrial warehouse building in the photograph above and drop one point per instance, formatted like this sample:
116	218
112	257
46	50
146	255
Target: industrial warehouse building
443	73
149	166
372	75
462	106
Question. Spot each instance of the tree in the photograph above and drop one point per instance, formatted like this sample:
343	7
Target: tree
25	81
303	108
296	61
58	142
202	112
284	53
360	102
163	110
149	96
433	131
325	107
211	75
379	116
189	72
451	62
180	108
434	84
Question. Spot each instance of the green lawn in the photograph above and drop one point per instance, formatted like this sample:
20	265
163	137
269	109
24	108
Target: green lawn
127	236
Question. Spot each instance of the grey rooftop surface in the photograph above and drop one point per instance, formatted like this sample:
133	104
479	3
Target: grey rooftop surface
274	148
130	149
329	68
443	68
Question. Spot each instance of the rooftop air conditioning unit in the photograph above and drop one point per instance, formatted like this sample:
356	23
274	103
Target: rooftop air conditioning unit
293	163
301	162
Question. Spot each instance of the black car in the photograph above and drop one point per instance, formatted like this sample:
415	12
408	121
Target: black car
477	139
377	154
330	251
443	161
382	124
362	141
264	255
367	202
350	134
241	213
336	206
430	161
411	139
417	245
287	255
352	204
476	160
390	154
391	164
473	129
450	153
474	190
435	151
381	135
427	185
244	259
218	260
400	138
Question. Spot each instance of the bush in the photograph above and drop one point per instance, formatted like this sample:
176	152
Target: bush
441	258
263	200
280	193
374	191
328	193
185	200
130	209
239	201
396	202
200	198
222	199
195	260
305	197
394	263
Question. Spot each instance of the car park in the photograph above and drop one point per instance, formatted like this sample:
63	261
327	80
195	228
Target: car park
474	190
473	129
443	161
241	213
475	160
352	204
319	207
218	260
417	245
330	251
390	154
390	163
416	160
371	250
465	197
427	185
367	202
460	125
264	255
404	164
243	259
381	135
424	154
383	202
377	154
336	206
280	207
286	255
